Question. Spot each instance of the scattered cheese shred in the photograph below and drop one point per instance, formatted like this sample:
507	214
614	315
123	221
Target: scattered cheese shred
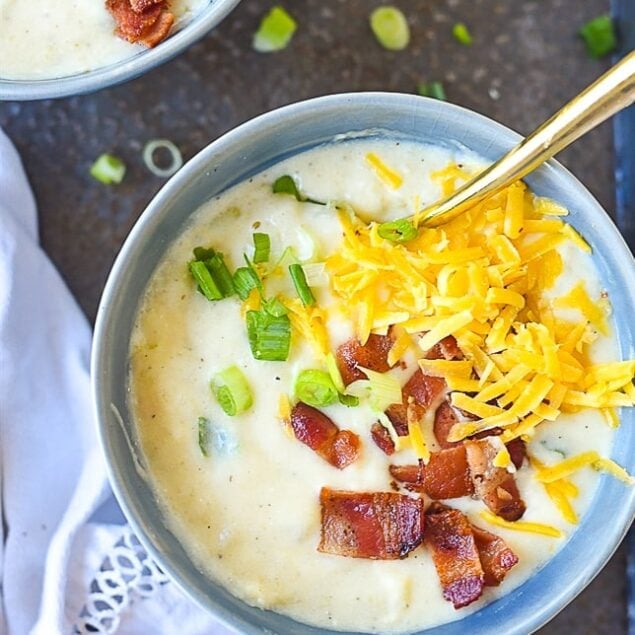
573	464
386	174
519	525
417	441
310	323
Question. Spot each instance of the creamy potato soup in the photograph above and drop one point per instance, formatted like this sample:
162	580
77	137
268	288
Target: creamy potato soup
283	458
41	39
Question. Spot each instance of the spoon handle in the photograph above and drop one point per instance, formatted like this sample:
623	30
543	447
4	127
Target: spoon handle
612	92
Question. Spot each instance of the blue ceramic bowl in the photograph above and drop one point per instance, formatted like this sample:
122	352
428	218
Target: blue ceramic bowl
123	70
251	148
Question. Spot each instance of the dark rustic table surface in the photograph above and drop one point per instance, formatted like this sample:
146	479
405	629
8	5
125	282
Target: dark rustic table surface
525	62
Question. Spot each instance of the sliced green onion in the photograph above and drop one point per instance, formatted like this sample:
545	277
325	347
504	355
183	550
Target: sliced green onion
461	34
203	435
301	286
108	169
269	335
390	27
316	274
262	247
432	89
315	388
384	389
275	31
286	185
334	373
204	253
274	307
398	231
232	391
350	401
245	279
288	257
250	265
176	159
206	283
599	36
220	273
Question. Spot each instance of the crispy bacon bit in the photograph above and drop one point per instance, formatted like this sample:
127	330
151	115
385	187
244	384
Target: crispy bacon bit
455	555
447	475
382	438
377	525
422	390
517	452
496	557
145	22
495	486
447	348
372	355
444	419
313	428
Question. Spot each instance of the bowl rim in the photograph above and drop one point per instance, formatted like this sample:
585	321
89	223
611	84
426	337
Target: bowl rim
123	70
178	183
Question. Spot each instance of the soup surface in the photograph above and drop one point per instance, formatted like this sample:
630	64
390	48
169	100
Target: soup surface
249	512
42	40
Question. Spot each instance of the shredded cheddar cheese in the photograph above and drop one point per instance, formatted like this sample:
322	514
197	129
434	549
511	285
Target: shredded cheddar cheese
519	525
386	174
482	278
310	323
567	467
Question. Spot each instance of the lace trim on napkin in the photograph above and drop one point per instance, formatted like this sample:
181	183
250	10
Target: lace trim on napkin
126	573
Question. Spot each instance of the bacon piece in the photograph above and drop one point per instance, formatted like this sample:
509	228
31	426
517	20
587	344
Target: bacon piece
382	438
496	557
313	428
422	390
447	348
139	6
372	355
455	555
517	452
495	486
444	419
377	525
447	475
148	25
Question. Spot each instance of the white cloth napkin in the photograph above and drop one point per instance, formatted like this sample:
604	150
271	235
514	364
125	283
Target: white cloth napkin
60	573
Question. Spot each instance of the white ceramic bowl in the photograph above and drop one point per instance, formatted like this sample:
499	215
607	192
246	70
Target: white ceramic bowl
251	148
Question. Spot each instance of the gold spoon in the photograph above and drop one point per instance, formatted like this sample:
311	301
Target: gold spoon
612	92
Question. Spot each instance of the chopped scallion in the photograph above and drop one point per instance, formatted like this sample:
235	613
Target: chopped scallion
275	31
301	286
245	279
350	401
232	391
432	89
262	247
599	36
286	185
203	435
398	231
316	274
334	372
461	34
315	388
269	335
384	389
108	169
222	276
390	27
163	145
204	253
206	283
274	307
